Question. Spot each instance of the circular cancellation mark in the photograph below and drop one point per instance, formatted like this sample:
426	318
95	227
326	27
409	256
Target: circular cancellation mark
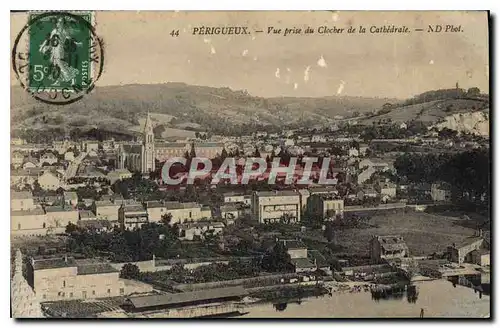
57	56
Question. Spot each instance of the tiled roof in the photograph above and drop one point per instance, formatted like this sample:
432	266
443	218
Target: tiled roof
53	263
96	268
276	193
21	195
180	298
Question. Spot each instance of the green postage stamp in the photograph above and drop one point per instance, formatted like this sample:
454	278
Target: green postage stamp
64	56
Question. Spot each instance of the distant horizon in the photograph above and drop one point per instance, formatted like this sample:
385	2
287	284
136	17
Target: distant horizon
271	97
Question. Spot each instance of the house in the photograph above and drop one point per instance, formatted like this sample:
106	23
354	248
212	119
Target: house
366	193
119	174
387	189
272	206
48	158
28	222
299	255
234	197
64	278
91	145
387	248
71	198
106	209
363	149
470	250
50	180
30	163
21	201
441	192
194	230
16	159
132	216
229	211
22	177
58	217
326	206
85	215
180	212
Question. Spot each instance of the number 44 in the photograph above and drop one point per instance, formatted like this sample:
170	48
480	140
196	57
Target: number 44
174	33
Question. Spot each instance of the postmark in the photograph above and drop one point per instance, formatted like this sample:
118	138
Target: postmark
57	56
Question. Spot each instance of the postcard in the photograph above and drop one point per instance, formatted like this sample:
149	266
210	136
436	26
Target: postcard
250	164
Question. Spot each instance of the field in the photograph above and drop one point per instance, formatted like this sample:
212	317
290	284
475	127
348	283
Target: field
424	233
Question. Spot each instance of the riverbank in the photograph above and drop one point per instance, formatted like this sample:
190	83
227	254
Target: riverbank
438	298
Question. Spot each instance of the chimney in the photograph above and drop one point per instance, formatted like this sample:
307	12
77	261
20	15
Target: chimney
65	258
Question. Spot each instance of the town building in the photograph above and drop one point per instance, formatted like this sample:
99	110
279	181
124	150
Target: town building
229	211
28	222
470	250
16	159
132	216
86	215
58	218
388	248
326	206
180	212
441	192
21	201
106	209
197	230
235	197
71	198
387	189
64	278
272	206
141	156
119	174
48	158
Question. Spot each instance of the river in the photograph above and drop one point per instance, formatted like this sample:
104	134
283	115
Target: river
438	298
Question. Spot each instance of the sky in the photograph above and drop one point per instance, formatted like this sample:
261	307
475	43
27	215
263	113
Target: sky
139	49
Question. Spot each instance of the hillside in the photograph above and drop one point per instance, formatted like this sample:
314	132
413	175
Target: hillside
183	107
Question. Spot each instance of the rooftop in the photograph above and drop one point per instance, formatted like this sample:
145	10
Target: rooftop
293	244
35	211
303	263
53	263
96	268
179	298
86	214
133	208
276	193
21	195
179	205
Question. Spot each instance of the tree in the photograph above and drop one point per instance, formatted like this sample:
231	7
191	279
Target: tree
223	154
329	231
277	259
192	152
130	271
256	153
71	228
474	91
166	219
